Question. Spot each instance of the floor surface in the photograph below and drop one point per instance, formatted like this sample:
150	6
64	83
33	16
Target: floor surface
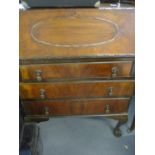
86	136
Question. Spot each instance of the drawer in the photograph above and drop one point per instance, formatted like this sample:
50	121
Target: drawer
78	107
76	89
76	70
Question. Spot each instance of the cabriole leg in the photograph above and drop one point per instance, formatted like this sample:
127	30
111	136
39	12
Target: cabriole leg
117	131
122	120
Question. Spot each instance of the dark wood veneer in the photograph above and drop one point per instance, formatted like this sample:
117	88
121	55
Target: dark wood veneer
77	107
76	89
76	70
74	52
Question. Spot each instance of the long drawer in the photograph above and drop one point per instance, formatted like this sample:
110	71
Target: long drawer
110	69
77	107
76	89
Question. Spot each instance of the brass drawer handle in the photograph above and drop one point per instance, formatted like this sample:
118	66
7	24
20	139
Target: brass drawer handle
46	110
107	109
110	89
114	71
38	75
42	93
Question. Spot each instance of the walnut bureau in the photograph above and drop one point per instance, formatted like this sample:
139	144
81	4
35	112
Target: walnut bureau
77	62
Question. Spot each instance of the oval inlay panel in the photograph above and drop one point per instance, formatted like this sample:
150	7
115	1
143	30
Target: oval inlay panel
74	31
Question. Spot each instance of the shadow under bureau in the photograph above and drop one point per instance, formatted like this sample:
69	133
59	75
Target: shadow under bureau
76	62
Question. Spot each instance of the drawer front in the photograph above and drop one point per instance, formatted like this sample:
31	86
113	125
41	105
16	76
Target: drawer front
77	107
76	70
76	89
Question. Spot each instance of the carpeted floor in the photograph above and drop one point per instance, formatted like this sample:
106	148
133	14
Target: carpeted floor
86	136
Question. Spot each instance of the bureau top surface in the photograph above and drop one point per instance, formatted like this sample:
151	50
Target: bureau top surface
73	33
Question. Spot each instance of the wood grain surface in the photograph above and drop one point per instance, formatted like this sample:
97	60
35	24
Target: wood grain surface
76	89
77	107
68	33
76	70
